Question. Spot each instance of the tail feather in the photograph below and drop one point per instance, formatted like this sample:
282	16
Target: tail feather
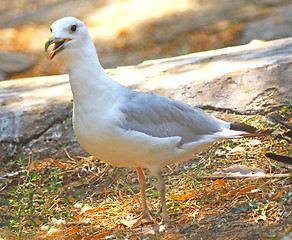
250	131
258	133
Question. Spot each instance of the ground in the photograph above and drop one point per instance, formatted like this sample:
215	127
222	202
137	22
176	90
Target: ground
83	198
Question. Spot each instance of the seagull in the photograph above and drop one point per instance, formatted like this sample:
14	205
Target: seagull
127	128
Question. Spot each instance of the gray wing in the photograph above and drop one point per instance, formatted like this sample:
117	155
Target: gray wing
159	116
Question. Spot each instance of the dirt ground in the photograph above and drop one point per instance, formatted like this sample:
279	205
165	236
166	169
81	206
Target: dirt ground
83	198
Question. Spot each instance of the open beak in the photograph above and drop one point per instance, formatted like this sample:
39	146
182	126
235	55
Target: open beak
59	45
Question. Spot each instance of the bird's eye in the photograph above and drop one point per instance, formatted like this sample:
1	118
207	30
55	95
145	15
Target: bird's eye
51	30
73	28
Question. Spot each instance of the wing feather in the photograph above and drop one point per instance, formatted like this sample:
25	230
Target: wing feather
162	117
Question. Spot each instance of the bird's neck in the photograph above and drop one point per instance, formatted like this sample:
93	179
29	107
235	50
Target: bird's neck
88	79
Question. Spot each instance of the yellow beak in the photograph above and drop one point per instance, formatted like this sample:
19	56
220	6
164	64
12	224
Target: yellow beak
59	45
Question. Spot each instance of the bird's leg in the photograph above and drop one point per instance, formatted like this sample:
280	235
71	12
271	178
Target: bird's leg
145	211
161	189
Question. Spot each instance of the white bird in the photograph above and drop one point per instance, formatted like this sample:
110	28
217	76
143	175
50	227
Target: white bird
126	128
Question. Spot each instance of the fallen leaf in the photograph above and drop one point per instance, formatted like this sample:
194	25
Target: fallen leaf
129	223
75	229
38	222
243	190
60	165
170	237
216	186
71	199
80	215
93	209
221	183
88	211
185	197
279	195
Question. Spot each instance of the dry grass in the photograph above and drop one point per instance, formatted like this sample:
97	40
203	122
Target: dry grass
97	201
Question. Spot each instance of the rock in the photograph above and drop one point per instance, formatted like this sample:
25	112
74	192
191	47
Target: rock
254	143
14	63
29	109
30	106
35	113
248	79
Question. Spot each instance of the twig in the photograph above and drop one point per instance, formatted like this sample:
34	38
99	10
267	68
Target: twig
280	158
281	122
220	176
282	138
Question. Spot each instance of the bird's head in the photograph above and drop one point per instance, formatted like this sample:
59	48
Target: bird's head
69	34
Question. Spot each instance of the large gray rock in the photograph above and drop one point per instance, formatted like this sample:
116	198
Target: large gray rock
248	79
35	113
11	62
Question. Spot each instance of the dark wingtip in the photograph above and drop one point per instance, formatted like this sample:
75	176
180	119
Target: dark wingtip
237	126
250	130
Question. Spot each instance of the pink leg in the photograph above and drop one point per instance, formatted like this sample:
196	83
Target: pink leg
145	211
161	189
